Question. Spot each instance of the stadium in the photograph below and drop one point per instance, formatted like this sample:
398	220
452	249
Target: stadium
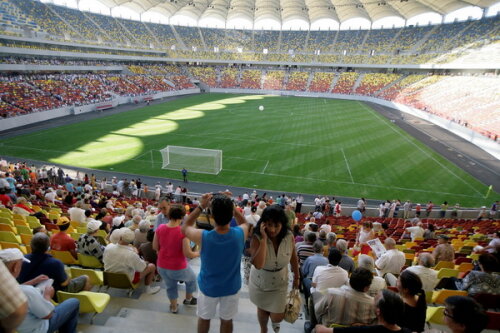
393	101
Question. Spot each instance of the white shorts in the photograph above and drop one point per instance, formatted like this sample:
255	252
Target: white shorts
207	306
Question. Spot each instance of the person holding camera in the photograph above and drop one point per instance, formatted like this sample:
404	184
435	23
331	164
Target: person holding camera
219	280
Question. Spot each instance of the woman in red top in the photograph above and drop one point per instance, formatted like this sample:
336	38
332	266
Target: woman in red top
173	248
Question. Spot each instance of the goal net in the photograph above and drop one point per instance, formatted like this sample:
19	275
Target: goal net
192	159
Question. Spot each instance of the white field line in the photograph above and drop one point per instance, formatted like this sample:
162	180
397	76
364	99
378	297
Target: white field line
350	183
422	150
347	163
265	167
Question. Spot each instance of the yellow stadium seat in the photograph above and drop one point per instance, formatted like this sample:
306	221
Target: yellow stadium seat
12	245
33	222
89	261
464	267
5	220
439	296
444	264
21	229
119	281
90	302
19	217
9	236
9	228
447	272
96	277
435	315
65	256
21	223
26	238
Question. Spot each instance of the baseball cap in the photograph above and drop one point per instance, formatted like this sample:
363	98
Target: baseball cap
127	235
444	237
9	255
93	225
62	220
118	220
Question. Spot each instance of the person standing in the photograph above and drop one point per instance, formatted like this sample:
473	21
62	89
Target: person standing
272	248
221	249
184	175
299	200
406	209
173	248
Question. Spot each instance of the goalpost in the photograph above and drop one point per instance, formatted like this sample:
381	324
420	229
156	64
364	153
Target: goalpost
192	159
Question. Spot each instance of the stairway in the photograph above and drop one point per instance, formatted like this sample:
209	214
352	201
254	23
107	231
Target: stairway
149	313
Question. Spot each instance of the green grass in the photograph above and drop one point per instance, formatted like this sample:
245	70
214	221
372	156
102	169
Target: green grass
308	145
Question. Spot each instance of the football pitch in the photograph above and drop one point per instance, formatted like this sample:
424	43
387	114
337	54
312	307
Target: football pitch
297	144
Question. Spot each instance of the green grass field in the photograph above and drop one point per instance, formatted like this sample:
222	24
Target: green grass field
308	145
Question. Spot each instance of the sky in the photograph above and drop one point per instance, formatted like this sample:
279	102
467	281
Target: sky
389	22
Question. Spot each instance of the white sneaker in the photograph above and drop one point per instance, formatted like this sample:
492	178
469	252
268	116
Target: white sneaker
152	290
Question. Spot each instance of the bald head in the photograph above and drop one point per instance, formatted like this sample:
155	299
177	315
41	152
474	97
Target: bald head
390	243
426	260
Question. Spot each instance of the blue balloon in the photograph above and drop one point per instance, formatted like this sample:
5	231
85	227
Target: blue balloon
356	215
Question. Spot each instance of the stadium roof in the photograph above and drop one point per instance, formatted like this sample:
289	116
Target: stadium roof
288	14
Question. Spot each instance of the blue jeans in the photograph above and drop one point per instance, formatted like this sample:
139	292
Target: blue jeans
65	317
171	278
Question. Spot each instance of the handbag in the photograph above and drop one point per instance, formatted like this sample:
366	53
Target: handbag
292	308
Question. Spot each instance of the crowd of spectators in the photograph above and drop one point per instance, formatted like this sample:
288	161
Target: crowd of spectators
342	288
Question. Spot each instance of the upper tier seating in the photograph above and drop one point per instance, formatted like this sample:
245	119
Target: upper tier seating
345	83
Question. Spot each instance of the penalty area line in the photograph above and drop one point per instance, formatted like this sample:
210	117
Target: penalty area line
265	167
347	163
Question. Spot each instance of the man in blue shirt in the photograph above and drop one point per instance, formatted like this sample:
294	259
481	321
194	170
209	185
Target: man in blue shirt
162	218
221	249
42	316
42	263
310	265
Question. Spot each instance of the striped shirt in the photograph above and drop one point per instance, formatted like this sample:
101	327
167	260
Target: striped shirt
345	306
12	296
304	251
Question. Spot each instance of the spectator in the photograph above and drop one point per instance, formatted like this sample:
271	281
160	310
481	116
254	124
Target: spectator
463	314
162	217
331	239
416	231
61	241
390	262
141	233
77	214
219	280
415	305
428	208
252	218
123	258
305	249
424	270
378	283
493	246
429	233
42	263
173	248
309	266
485	281
365	234
348	305
134	225
88	244
42	315
297	234
389	309
290	215
322	237
272	249
346	262
444	251
330	275
14	305
146	249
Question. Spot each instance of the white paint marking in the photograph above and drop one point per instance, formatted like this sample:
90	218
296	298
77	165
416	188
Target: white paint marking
419	148
347	163
265	167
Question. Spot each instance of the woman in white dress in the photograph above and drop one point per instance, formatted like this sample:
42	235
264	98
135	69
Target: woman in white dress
272	248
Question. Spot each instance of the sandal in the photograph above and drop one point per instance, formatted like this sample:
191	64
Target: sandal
174	310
